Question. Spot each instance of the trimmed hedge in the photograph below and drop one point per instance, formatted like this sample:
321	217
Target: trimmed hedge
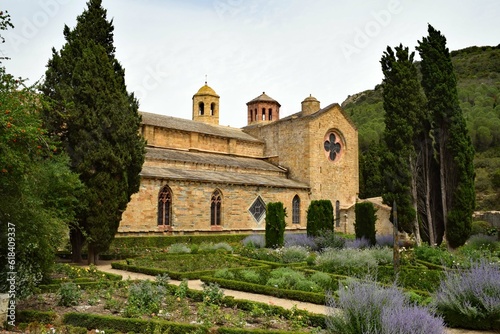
125	325
275	225
165	241
310	297
43	317
83	282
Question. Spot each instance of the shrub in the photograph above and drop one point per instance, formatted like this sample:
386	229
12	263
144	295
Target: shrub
287	278
250	276
354	262
69	294
294	254
212	294
385	240
145	297
211	248
224	273
434	255
358	243
179	249
328	239
300	239
483	242
364	225
366	307
470	298
254	241
275	225
482	227
319	217
322	279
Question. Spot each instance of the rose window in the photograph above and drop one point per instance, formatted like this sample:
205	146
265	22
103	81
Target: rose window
332	146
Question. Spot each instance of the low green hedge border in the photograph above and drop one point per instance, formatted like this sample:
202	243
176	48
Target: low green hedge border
165	241
83	282
123	265
43	317
310	297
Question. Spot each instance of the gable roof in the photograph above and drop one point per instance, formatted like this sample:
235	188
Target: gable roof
181	124
205	176
210	159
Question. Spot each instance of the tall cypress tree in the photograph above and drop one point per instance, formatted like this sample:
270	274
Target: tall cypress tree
454	145
98	122
403	104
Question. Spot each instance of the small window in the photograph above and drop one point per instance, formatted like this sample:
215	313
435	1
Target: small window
296	210
258	209
165	207
270	116
212	108
255	118
263	114
337	213
215	208
251	115
201	108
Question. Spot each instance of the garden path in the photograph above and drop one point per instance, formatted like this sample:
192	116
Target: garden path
285	303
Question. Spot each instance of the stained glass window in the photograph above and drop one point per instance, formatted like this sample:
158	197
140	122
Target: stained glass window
258	209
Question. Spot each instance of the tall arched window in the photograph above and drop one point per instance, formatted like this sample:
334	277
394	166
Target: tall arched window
270	116
263	114
215	208
296	210
212	108
165	207
201	108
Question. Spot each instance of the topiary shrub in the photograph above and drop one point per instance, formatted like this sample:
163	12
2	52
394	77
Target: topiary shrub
319	217
275	225
364	227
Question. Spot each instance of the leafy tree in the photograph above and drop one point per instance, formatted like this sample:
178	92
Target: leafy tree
370	177
454	145
97	121
275	225
37	189
403	104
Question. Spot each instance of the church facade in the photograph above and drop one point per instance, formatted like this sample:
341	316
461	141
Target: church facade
200	177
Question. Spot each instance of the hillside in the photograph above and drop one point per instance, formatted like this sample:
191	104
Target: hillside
478	82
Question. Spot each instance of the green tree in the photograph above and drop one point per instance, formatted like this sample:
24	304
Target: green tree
97	121
37	189
275	225
454	145
319	217
403	104
364	226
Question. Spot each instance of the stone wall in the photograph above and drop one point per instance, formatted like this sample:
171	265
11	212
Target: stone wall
191	207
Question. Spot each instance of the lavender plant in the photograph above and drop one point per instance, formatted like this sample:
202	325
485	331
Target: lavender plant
470	298
359	243
254	241
367	308
300	239
385	240
294	254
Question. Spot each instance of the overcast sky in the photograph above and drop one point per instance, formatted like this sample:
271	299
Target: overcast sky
287	48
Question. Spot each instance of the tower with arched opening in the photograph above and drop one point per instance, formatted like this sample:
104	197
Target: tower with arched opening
206	105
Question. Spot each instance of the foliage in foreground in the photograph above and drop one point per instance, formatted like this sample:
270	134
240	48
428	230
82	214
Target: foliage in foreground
365	307
275	225
470	298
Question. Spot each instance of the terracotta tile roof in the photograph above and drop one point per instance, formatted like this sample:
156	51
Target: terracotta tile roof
263	97
210	159
193	126
205	176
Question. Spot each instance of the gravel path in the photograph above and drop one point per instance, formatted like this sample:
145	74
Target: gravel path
285	303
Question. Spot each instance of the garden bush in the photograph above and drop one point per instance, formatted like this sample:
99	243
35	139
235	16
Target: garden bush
224	273
218	247
254	241
353	262
69	294
179	249
300	239
329	239
470	298
384	240
366	307
364	226
435	255
482	227
322	279
275	225
250	276
145	297
294	254
483	242
358	243
319	217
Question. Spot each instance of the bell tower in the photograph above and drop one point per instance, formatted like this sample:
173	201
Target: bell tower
263	109
206	105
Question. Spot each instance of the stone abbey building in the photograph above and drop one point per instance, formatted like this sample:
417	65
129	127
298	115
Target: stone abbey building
201	177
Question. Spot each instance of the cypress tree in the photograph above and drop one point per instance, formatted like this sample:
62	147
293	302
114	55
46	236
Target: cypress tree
366	217
275	225
403	104
98	121
454	145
